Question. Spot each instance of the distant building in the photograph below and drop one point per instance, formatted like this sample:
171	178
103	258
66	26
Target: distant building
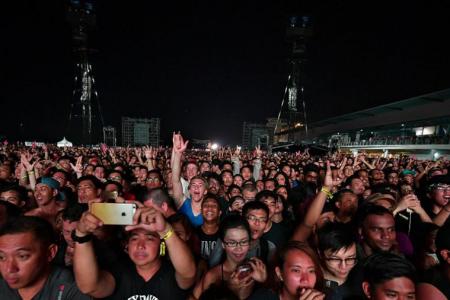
109	136
140	131
254	134
273	124
419	125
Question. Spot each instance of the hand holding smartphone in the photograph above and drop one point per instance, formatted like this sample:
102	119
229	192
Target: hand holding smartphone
114	213
244	270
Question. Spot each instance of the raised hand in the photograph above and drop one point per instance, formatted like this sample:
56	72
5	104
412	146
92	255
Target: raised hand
179	145
111	153
88	223
241	286
237	151
407	201
78	167
258	151
150	219
259	273
138	152
343	163
328	180
25	159
148	152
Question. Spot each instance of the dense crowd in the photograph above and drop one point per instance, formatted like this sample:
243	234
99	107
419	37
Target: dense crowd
222	224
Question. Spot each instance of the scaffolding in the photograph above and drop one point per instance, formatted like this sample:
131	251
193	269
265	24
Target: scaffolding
140	131
292	115
85	117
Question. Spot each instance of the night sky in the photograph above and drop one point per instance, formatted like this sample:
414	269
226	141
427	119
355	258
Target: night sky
204	67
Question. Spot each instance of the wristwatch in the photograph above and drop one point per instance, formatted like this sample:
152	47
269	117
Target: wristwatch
80	239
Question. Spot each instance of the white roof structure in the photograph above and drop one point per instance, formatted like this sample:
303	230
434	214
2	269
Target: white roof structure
64	143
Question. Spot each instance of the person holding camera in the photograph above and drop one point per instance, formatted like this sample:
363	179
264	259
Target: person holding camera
142	274
236	272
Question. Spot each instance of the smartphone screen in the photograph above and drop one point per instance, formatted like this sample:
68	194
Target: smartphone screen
114	213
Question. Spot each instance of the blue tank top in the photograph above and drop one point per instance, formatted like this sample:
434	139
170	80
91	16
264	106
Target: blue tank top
186	209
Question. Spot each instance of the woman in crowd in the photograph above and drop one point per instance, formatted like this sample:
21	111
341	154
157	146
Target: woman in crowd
297	275
235	272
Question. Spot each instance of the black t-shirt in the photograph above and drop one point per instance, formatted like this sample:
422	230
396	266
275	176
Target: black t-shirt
60	285
131	286
278	234
350	289
207	242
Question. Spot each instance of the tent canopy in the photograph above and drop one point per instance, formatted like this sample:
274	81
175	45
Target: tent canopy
64	143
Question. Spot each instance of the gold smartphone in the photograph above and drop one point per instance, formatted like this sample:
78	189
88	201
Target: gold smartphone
114	213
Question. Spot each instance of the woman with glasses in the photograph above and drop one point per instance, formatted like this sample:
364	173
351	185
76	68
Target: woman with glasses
237	273
297	275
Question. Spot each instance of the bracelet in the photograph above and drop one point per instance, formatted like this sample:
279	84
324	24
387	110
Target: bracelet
24	176
168	234
327	192
30	172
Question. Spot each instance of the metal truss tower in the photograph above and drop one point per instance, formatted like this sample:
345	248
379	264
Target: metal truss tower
85	119
292	116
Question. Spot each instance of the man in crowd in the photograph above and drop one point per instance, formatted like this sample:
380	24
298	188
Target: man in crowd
27	248
46	195
147	274
436	282
89	189
198	187
14	194
389	276
377	230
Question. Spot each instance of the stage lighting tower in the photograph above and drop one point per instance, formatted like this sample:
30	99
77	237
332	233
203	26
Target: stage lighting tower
293	105
85	118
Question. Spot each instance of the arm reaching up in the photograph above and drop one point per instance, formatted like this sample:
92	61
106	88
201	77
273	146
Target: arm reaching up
179	146
303	230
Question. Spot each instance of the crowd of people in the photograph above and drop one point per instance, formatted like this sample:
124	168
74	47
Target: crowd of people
222	224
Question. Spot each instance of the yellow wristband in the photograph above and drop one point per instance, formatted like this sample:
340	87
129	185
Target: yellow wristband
327	192
168	234
162	246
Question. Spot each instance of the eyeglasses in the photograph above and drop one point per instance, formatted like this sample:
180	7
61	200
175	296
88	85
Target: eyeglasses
115	178
256	219
349	261
443	187
234	244
156	179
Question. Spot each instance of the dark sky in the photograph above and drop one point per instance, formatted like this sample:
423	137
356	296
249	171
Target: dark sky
206	66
